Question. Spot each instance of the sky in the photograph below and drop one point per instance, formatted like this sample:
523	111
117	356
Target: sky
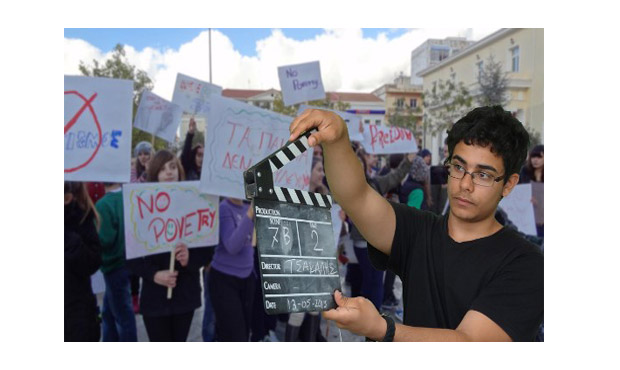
351	60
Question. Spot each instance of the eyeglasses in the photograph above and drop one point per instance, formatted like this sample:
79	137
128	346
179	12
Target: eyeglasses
478	177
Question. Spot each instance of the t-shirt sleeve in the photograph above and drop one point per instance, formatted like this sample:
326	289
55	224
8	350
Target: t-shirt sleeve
514	299
409	223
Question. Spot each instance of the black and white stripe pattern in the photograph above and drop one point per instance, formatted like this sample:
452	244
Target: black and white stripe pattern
280	158
303	197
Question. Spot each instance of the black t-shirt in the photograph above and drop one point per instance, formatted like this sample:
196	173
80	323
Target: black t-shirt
500	275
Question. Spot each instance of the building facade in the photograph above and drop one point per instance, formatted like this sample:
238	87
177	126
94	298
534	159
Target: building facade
521	53
402	99
433	52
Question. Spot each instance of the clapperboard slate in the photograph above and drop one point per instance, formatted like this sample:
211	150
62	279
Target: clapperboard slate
295	239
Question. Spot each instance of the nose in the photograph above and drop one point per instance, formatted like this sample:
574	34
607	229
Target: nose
467	182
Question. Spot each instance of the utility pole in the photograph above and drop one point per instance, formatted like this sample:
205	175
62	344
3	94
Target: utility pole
210	79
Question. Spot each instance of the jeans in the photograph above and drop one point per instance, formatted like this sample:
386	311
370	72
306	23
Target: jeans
119	321
208	318
372	280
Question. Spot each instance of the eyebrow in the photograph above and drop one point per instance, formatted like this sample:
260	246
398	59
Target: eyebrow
478	166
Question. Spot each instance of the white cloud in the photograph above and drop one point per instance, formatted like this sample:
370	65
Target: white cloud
349	62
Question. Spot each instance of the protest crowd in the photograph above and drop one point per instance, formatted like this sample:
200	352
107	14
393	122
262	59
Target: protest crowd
223	278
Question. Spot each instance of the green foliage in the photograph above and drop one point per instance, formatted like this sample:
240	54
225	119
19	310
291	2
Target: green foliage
279	107
444	104
493	83
404	117
535	137
117	66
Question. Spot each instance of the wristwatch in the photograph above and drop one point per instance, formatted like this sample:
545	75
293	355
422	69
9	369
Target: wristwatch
389	333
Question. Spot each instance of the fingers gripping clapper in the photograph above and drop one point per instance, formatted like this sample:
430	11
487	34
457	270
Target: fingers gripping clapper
295	238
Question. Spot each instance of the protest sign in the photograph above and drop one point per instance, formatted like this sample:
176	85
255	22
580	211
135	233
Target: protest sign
518	206
388	140
238	135
193	94
354	122
301	83
159	215
538	193
97	122
158	116
336	222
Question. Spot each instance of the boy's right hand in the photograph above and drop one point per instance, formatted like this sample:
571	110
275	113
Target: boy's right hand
166	278
331	127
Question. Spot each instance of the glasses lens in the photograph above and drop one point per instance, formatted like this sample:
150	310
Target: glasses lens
483	180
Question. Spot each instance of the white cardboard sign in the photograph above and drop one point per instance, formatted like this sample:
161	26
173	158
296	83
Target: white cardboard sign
380	139
159	215
301	83
518	206
240	135
354	122
193	94
158	116
97	122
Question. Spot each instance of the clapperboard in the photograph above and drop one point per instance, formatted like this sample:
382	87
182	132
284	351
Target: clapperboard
297	254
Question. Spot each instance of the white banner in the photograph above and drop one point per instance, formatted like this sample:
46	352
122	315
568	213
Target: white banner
354	122
336	222
159	215
240	135
158	116
388	139
97	123
518	206
301	82
193	94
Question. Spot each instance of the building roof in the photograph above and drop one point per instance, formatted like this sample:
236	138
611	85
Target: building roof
241	94
333	96
468	50
358	97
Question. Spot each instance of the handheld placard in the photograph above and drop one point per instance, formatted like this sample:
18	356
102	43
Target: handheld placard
297	255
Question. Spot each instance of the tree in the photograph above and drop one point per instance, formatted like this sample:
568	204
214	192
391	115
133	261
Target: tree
493	83
444	104
117	66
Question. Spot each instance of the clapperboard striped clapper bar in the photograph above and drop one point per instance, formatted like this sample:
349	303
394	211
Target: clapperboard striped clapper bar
297	254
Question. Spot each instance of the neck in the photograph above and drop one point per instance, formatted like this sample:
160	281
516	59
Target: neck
463	231
112	187
538	173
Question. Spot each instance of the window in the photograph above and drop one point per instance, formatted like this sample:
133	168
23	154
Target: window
413	103
439	53
377	122
515	59
480	66
400	103
367	121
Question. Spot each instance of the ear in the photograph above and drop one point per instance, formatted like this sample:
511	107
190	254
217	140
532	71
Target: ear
68	198
513	180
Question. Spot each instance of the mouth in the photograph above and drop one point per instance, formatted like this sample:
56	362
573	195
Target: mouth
463	201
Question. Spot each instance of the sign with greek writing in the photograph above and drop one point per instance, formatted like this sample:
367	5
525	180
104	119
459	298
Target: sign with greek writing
388	140
97	122
518	206
159	215
354	122
193	94
238	135
301	82
158	116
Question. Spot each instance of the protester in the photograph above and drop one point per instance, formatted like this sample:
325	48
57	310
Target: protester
191	157
142	155
231	279
534	172
372	279
169	320
465	277
82	259
119	322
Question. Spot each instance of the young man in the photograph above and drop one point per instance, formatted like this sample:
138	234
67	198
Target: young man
465	278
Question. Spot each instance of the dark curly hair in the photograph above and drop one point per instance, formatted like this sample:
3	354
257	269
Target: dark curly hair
494	127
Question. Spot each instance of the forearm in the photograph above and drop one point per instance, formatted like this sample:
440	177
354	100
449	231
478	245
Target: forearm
406	333
344	172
